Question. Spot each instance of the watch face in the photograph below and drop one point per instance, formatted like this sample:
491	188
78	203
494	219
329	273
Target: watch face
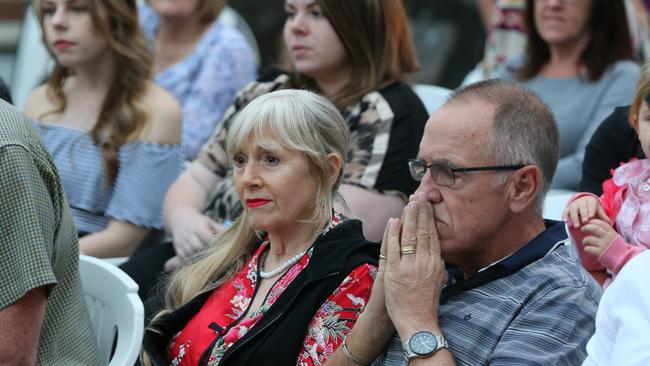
423	343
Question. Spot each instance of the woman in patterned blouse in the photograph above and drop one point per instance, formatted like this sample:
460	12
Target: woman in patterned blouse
286	282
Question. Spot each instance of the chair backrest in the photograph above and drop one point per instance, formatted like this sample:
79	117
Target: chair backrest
116	311
555	202
431	96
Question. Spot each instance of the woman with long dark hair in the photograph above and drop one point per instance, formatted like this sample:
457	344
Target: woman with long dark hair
579	59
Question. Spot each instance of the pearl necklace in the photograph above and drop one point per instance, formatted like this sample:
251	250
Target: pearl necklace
290	262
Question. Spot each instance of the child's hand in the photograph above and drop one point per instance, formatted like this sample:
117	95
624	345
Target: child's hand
601	234
583	209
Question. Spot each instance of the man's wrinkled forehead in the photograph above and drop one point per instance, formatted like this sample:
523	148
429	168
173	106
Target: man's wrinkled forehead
457	128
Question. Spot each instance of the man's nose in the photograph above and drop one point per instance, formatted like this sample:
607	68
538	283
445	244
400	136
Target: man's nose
428	189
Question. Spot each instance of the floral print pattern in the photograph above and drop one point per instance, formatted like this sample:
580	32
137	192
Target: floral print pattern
225	317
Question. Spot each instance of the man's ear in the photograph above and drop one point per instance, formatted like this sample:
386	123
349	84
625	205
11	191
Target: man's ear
335	163
524	185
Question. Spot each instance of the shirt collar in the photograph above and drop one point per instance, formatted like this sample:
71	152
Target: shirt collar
549	239
552	237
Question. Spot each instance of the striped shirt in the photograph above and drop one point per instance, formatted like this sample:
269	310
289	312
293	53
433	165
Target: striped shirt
38	244
146	171
542	314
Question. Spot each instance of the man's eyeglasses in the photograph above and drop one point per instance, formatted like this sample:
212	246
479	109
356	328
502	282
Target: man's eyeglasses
446	176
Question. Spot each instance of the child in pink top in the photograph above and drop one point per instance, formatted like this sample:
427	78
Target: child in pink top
610	230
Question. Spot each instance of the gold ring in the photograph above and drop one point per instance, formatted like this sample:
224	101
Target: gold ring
381	256
408	250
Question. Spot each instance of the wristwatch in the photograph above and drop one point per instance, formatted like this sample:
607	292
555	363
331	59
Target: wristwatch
423	344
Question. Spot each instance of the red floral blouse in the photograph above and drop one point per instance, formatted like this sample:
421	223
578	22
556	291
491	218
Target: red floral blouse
224	318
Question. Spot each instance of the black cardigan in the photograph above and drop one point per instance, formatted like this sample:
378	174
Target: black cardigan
613	143
277	338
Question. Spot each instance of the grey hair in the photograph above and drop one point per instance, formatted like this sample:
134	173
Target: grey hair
523	131
299	120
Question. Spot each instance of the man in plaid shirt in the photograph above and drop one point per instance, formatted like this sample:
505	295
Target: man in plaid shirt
43	315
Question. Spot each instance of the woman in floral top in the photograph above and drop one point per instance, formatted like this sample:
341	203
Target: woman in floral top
287	281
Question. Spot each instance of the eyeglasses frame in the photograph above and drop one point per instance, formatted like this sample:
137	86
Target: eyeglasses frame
461	170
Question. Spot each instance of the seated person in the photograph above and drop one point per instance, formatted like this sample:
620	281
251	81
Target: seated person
610	230
520	298
114	135
579	61
201	61
42	307
622	322
615	141
328	42
288	279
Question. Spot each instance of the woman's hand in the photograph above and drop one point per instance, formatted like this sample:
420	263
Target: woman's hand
601	235
583	209
192	231
415	271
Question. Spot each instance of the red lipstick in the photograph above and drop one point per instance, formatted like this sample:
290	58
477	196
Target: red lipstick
257	202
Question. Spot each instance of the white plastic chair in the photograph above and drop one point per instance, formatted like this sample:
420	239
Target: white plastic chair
431	96
115	310
555	202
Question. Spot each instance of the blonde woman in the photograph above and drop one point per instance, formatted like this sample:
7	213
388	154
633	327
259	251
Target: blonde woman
288	279
113	134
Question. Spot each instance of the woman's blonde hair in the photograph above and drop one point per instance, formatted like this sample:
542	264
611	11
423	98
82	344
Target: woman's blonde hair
297	119
122	114
641	95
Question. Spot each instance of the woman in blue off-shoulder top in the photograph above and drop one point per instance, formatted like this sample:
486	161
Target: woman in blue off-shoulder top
114	135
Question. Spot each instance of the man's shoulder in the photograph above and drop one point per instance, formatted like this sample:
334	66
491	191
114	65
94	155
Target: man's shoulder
14	129
556	275
558	272
17	133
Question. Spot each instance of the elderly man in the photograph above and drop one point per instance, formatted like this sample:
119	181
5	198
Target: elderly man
485	162
43	315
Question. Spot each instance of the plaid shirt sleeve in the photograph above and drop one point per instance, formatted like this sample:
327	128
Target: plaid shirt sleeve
27	223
